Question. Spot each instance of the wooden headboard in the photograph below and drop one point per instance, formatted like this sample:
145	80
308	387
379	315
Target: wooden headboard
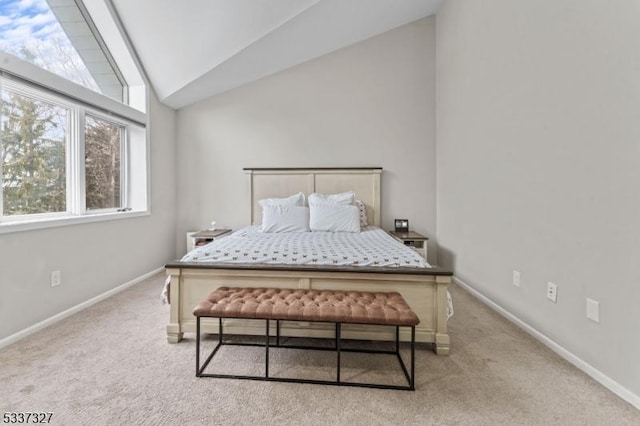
282	182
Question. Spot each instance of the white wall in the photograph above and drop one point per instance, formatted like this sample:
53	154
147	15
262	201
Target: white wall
371	104
95	257
538	129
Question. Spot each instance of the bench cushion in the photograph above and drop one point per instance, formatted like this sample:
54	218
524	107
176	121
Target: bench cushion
358	307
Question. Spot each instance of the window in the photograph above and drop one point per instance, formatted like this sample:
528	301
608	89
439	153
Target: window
34	151
61	158
60	37
102	154
73	140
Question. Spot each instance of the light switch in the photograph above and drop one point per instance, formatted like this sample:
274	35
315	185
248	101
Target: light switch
593	310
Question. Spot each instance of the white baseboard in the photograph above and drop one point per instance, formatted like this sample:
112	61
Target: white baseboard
596	374
64	314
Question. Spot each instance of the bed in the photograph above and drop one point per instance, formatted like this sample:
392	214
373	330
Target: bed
425	288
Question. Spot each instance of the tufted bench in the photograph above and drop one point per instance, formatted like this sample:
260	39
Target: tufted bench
329	306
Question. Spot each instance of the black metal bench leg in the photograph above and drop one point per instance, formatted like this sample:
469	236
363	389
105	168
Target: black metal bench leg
338	344
197	346
397	340
200	368
278	333
409	371
266	359
413	358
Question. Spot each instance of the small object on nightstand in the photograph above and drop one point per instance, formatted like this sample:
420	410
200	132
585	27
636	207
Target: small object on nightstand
201	238
411	239
401	225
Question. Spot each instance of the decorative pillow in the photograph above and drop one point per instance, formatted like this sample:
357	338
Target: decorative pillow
345	198
283	218
334	218
293	200
362	209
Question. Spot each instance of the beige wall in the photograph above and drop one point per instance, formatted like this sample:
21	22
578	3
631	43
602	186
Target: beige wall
371	104
538	110
95	257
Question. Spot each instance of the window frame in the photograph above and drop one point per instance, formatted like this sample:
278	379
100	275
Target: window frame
29	92
124	162
42	84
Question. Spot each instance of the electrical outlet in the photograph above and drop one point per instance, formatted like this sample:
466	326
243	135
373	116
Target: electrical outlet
56	278
516	278
552	292
593	310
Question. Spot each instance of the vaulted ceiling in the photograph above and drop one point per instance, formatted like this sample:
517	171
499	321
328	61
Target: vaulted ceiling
195	49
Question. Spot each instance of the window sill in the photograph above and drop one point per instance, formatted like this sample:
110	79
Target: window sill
29	225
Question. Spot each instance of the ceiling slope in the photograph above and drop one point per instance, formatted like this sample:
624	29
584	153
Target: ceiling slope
213	46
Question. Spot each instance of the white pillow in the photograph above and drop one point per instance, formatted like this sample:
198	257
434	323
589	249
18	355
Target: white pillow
362	210
293	200
346	198
284	218
334	218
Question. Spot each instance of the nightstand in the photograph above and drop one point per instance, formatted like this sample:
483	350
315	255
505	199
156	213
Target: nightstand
416	241
200	238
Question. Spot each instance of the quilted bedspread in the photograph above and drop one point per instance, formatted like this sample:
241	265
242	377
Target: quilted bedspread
370	247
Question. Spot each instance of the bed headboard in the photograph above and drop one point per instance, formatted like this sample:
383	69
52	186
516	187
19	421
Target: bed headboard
282	182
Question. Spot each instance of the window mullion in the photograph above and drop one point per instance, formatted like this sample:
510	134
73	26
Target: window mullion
82	181
1	150
76	171
124	168
70	156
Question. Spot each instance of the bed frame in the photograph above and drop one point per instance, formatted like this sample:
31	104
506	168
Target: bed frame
424	289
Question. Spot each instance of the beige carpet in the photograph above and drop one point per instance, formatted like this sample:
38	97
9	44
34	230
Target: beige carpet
110	364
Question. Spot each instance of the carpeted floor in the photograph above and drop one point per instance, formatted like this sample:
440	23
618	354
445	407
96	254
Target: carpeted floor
111	365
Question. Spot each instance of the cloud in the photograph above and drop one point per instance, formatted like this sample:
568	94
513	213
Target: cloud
47	31
28	4
21	28
18	7
31	25
36	20
17	34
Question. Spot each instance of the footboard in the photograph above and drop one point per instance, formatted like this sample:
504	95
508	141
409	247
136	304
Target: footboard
425	292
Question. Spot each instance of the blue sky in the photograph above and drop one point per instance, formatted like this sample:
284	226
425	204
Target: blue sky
21	20
32	25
